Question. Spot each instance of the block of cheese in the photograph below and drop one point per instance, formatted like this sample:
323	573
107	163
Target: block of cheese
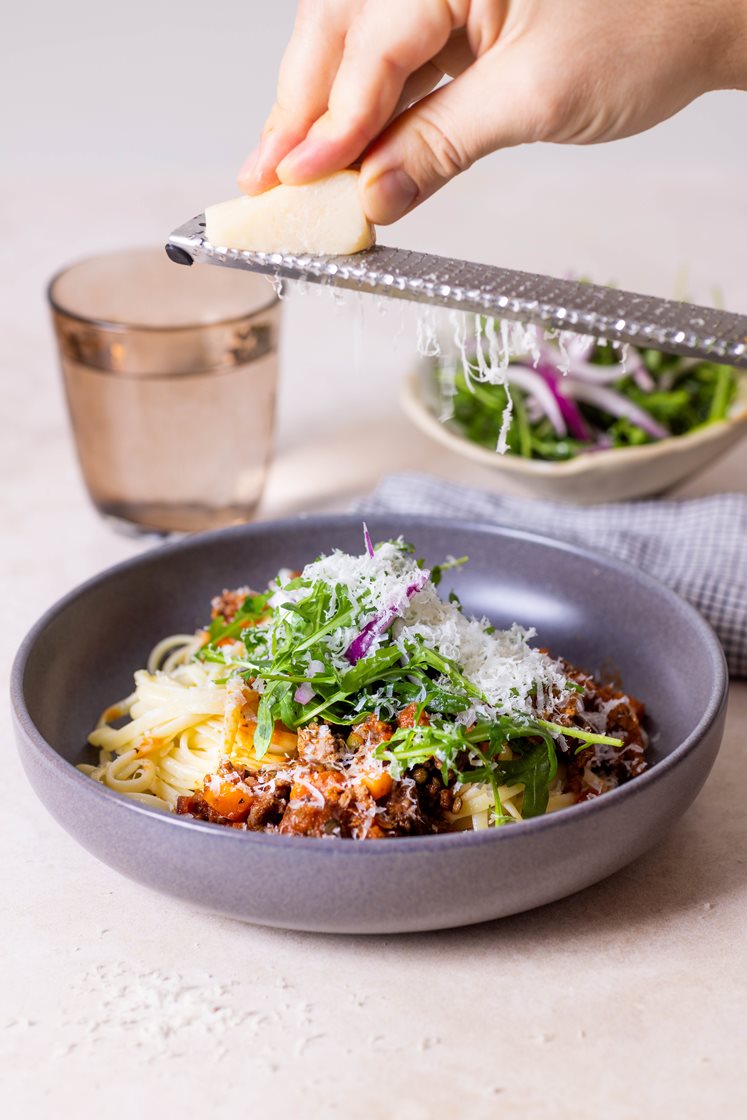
321	218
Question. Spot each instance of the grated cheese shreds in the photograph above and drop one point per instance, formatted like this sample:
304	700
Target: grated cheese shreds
510	673
371	580
373	583
484	360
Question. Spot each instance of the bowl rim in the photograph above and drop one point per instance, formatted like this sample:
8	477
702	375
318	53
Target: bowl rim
416	844
414	405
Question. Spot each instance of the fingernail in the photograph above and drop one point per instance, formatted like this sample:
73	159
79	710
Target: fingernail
390	196
300	161
247	172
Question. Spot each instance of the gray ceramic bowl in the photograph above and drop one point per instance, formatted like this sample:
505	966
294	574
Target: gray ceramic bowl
597	612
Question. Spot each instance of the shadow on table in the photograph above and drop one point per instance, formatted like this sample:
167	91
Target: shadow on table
675	880
669	892
685	879
681	883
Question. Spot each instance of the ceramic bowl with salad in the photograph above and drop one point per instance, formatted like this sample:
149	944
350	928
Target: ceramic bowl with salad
589	421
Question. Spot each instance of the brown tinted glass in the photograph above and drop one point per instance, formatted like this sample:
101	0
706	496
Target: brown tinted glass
170	376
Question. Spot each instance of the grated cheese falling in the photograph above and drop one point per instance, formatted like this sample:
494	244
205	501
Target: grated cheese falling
458	320
428	344
484	360
447	386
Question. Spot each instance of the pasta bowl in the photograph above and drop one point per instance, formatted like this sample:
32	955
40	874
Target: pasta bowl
612	475
599	613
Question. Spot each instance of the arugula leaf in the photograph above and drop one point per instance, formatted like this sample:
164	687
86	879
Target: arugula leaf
287	708
423	655
535	771
722	393
265	721
369	668
589	737
438	570
446	703
249	613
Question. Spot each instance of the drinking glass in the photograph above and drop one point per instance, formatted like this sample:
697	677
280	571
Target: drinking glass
170	376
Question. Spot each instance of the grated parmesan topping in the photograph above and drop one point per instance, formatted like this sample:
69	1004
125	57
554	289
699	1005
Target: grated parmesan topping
374	584
371	581
511	674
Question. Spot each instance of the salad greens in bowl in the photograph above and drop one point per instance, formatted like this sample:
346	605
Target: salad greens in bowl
579	419
598	404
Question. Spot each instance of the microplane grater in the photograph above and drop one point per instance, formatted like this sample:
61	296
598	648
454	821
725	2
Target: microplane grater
589	309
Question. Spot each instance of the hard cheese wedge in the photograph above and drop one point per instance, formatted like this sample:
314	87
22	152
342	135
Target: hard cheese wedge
321	218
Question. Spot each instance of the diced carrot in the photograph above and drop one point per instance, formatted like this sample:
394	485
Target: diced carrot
329	783
379	783
231	800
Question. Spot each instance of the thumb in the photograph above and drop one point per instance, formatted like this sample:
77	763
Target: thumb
485	108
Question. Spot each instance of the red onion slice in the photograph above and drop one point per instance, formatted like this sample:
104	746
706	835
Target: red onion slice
605	375
530	381
571	414
304	693
573	358
607	400
381	621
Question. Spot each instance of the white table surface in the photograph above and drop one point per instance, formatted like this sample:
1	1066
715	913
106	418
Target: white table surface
627	1000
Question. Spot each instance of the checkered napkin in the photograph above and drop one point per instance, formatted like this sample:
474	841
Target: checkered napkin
698	546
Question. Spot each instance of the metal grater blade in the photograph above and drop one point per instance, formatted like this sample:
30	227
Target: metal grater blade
678	328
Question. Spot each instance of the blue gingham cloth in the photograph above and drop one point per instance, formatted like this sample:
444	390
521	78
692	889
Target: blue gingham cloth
696	546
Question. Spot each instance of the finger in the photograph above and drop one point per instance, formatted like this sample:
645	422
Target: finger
452	60
456	56
389	41
307	71
418	85
489	106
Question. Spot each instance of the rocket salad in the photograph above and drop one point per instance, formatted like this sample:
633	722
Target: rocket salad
583	395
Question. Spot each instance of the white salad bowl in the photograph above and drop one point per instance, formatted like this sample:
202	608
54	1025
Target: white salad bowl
599	476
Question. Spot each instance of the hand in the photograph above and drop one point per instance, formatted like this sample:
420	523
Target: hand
358	81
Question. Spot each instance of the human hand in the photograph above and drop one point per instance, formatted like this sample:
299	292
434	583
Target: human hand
358	81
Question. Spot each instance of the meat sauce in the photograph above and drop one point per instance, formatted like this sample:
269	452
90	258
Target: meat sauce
336	786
